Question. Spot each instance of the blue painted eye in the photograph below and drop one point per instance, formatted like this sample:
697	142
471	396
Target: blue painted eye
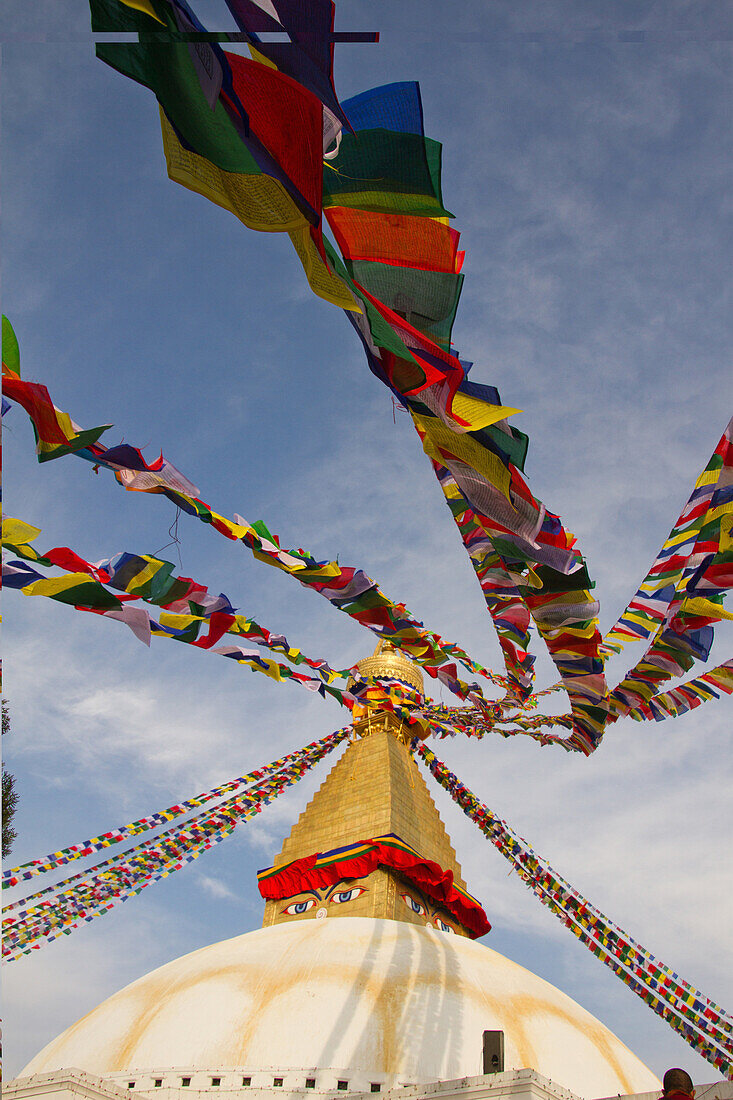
299	907
443	926
347	895
414	905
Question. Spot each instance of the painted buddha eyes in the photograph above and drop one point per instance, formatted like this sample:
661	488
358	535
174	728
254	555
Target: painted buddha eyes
347	895
422	912
299	907
414	905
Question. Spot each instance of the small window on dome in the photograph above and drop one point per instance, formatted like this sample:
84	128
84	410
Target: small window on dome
278	1082
185	1082
246	1080
376	1087
310	1082
158	1083
216	1081
343	1085
131	1084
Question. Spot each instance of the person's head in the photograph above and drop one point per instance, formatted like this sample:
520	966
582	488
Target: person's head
677	1080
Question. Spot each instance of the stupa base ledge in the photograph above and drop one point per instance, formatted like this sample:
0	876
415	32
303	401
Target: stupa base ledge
515	1084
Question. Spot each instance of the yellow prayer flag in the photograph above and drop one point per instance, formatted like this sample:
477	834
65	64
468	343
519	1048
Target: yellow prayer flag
260	57
259	201
17	533
51	586
323	282
437	435
178	622
477	413
707	477
698	605
726	532
144	6
146	574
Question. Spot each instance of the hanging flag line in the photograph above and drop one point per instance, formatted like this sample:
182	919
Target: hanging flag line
257	663
297	768
648	607
448	412
679	1003
76	589
504	602
187	606
513	599
402	264
399	278
149	579
100	888
694	604
448	721
348	589
53	860
687	696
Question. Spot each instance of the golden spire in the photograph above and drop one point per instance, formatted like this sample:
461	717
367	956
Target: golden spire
375	789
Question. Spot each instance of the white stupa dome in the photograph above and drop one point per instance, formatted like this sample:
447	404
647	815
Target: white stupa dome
365	999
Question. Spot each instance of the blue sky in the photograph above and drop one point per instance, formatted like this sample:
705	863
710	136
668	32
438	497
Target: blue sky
587	158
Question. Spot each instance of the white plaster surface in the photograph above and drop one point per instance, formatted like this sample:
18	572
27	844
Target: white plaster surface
377	998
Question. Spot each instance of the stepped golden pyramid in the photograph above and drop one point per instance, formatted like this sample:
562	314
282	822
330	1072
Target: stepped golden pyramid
398	994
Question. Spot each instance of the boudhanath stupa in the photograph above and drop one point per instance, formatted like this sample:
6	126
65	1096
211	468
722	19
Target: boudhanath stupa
398	996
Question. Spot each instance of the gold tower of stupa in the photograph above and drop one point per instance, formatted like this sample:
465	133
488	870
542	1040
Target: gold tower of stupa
374	790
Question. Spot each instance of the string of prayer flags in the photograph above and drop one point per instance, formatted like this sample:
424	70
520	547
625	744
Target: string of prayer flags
508	610
84	848
377	234
702	1023
648	607
348	589
188	604
687	696
514	593
85	594
29	923
197	827
473	722
385	240
695	605
189	609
